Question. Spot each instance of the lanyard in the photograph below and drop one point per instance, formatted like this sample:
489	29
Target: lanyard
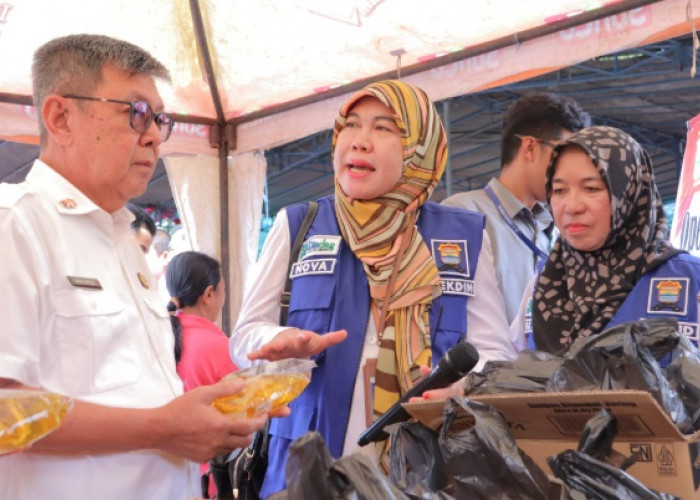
541	256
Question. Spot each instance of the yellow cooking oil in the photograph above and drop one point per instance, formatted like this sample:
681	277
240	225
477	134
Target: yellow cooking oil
27	416
262	393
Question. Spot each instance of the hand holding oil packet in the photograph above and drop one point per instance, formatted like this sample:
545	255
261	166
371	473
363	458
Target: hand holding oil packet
268	387
27	416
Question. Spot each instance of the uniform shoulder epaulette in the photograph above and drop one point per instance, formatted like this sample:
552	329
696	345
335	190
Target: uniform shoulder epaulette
10	194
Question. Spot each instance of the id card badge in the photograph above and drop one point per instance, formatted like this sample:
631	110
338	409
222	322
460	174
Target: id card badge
368	372
529	341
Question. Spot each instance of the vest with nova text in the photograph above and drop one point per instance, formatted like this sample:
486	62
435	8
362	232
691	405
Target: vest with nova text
330	292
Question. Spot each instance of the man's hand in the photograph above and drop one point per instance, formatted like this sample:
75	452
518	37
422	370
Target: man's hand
295	343
189	426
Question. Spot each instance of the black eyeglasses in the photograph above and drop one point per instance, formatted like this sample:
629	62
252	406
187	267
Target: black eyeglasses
542	141
140	115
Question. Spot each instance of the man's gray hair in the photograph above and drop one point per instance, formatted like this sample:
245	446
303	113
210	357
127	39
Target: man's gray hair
73	64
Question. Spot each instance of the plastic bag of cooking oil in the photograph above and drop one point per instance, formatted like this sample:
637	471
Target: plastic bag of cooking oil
27	416
268	386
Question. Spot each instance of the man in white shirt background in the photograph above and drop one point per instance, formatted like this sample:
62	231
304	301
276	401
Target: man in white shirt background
518	222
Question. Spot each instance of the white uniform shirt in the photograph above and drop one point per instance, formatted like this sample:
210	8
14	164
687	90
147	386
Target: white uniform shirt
514	262
521	326
81	316
258	321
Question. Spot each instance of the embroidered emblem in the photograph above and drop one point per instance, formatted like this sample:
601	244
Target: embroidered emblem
668	296
142	278
68	203
451	256
320	245
309	267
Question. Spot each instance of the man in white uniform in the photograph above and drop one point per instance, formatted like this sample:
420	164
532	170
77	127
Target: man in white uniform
81	313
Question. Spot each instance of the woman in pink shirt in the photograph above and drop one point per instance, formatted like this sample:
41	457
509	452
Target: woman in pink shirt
197	292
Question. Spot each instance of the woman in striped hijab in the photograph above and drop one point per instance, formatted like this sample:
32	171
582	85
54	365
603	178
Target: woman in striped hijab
385	282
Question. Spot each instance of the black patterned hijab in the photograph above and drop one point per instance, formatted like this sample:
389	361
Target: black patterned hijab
579	292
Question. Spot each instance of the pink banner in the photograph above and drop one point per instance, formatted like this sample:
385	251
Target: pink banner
685	231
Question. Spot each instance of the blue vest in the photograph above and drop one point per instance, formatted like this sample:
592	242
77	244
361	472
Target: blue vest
330	292
669	291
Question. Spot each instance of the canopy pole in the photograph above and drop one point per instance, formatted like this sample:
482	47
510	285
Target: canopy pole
448	133
221	136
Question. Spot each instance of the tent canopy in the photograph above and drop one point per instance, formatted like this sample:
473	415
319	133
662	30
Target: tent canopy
276	67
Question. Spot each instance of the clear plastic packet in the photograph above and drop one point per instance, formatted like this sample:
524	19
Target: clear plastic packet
268	386
27	416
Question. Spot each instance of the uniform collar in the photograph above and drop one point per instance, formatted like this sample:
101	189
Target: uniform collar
65	197
514	206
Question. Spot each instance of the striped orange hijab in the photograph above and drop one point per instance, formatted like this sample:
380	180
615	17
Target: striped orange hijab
382	233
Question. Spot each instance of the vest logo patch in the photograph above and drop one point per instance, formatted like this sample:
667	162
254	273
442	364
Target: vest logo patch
458	287
668	296
320	245
528	316
309	267
688	330
451	257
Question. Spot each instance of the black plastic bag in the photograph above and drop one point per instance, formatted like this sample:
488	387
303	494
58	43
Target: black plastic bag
619	358
478	458
312	474
484	460
586	471
598	480
529	372
417	468
684	374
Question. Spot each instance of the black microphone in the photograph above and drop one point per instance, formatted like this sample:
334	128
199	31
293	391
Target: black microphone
456	363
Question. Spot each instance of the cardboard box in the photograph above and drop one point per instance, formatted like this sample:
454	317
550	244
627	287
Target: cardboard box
544	424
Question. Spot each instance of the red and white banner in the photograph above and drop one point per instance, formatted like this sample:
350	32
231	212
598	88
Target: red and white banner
685	231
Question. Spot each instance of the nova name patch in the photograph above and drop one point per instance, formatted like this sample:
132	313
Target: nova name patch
82	282
457	287
320	245
316	266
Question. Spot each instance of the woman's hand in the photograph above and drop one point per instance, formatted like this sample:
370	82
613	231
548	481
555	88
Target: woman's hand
450	391
295	343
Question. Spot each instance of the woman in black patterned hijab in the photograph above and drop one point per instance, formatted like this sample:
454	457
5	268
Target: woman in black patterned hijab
613	231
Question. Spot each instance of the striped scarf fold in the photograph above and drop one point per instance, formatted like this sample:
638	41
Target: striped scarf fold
382	233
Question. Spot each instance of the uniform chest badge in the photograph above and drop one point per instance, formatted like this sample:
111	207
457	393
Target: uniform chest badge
450	257
668	296
68	203
319	245
143	280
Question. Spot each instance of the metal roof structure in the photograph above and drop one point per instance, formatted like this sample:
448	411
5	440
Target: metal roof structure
647	91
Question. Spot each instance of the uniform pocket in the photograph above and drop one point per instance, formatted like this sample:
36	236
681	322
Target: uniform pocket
294	426
96	352
310	303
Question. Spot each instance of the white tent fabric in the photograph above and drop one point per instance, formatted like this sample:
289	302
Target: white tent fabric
281	68
193	179
268	53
